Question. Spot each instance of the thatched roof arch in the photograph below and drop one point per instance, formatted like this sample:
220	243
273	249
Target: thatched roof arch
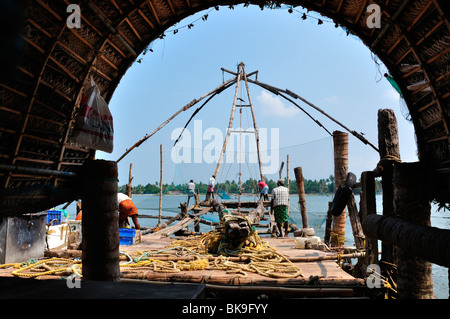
38	99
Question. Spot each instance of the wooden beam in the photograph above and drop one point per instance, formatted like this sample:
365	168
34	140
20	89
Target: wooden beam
152	9
42	104
442	14
70	52
143	16
30	42
363	8
339	6
88	68
437	56
64	69
430	80
418	17
133	28
31	98
46	7
117	6
13	90
436	26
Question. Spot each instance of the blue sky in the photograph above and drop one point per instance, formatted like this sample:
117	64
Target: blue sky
321	63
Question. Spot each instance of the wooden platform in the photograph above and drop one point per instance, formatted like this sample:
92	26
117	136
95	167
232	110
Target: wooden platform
324	272
322	278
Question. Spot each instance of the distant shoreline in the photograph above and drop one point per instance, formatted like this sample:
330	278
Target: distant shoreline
231	194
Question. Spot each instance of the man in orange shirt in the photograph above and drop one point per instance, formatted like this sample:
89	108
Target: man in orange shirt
127	209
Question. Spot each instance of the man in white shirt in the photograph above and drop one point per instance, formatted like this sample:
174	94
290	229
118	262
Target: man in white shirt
210	189
191	190
280	207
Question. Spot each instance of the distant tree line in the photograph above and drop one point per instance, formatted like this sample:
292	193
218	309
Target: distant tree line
322	186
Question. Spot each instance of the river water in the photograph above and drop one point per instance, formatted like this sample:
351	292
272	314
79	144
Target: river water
317	206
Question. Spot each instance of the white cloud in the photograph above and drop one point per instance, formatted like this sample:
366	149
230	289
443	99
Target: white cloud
272	105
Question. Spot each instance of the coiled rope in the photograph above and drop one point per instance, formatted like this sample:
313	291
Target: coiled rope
52	266
263	259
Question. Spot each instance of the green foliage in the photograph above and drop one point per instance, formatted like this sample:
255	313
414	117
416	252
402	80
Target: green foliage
322	186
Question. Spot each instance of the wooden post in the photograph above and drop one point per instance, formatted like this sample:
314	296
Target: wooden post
389	154
367	207
327	235
130	178
287	172
100	223
414	277
355	223
340	141
301	195
160	184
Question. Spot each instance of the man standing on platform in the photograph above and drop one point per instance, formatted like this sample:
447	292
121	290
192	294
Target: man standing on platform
191	191
210	189
264	190
280	207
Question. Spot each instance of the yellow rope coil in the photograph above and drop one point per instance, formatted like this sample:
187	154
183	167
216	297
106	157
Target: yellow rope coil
264	260
52	266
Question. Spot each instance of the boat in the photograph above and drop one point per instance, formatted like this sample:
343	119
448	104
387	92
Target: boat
242	255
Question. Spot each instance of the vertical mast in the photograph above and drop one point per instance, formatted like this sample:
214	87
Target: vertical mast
241	75
230	124
255	127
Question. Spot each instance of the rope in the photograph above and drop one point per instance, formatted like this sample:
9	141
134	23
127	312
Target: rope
52	266
264	260
337	237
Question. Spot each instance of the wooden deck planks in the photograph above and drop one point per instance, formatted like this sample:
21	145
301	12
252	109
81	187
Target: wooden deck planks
327	271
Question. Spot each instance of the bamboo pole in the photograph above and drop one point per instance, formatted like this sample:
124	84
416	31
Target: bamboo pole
287	171
67	253
130	178
230	125
255	127
278	91
340	141
160	184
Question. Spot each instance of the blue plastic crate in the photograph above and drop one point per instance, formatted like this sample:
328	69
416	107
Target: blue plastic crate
126	241
127	232
54	216
126	236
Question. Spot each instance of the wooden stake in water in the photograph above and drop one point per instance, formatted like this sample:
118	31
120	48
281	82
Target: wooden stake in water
160	185
301	195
